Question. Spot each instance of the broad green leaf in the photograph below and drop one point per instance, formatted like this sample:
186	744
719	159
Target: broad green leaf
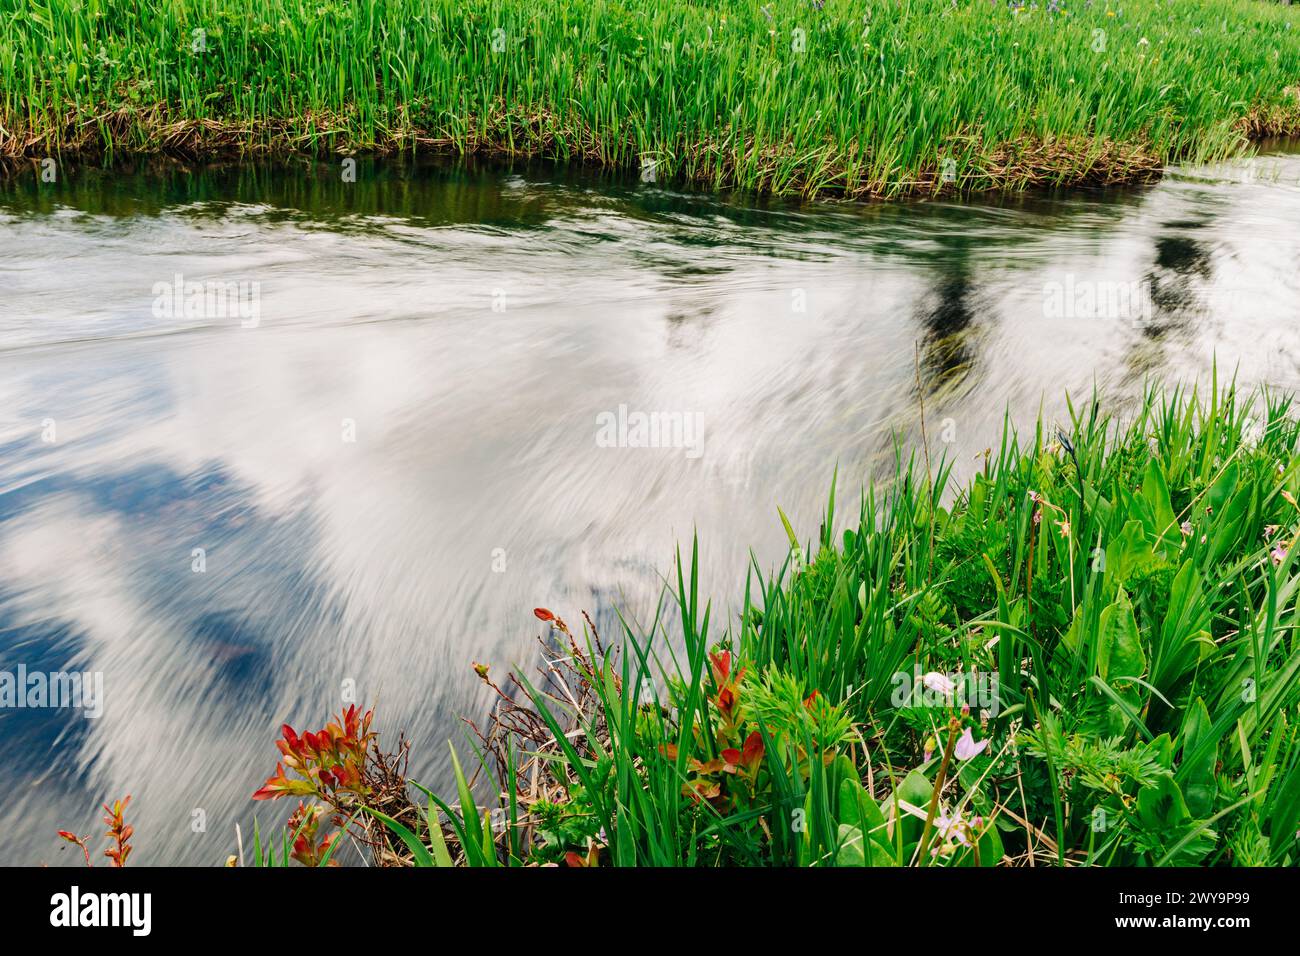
1198	775
1119	647
1156	495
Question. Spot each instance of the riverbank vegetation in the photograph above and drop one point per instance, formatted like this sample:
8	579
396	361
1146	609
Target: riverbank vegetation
803	97
1085	655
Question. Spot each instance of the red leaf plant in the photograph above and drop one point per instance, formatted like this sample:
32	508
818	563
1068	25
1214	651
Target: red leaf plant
119	832
577	860
727	699
304	824
328	763
734	772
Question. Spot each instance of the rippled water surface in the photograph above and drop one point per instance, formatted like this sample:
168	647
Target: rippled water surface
468	329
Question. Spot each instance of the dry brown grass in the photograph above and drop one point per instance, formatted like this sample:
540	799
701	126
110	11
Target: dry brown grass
1007	167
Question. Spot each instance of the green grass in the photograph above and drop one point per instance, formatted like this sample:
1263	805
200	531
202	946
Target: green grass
1142	633
781	97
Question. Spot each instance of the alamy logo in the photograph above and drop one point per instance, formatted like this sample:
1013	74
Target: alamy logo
977	689
55	689
625	429
179	299
1086	299
75	909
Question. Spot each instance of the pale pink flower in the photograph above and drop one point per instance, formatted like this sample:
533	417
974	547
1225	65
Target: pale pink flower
938	683
953	827
967	747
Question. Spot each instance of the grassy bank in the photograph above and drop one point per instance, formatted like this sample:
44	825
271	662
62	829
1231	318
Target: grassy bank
788	97
1088	657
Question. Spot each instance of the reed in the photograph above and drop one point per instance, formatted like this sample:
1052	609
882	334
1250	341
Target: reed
790	97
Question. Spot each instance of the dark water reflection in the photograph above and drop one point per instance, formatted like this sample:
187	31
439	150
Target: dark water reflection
472	325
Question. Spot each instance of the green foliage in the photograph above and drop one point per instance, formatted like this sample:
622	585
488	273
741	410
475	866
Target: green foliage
787	97
789	712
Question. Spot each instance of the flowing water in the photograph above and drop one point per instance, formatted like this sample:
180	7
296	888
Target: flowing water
416	415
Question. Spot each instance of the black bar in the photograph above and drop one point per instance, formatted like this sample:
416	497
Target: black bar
194	904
